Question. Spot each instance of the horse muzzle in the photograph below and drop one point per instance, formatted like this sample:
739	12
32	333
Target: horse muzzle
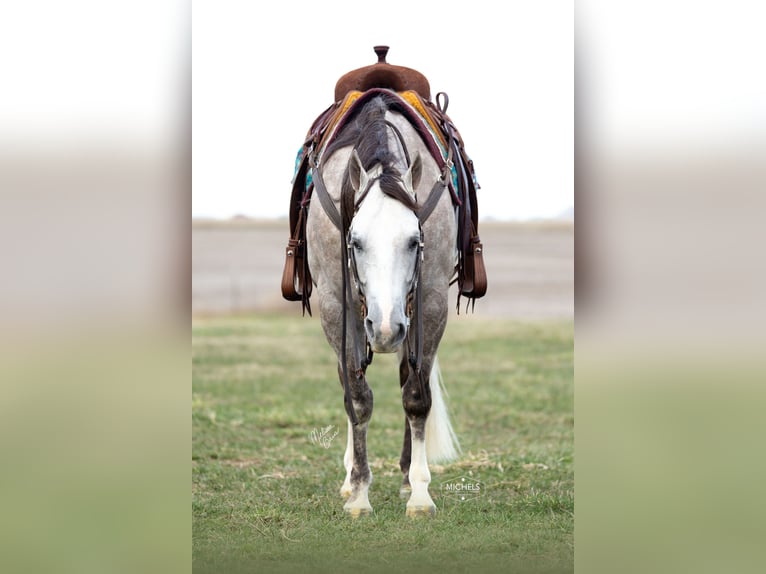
386	336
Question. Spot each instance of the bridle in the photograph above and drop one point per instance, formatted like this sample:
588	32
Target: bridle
351	254
349	269
351	275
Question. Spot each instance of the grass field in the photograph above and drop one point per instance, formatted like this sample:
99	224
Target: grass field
265	495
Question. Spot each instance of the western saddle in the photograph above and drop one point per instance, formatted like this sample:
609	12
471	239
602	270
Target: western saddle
440	136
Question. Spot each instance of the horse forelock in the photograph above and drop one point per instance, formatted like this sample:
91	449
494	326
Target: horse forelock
368	133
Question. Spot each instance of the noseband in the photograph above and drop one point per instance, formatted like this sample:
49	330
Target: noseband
414	296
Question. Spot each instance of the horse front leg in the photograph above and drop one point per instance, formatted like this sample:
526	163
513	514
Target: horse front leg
348	461
358	475
416	399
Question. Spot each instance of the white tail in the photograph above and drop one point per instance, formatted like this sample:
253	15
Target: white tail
441	442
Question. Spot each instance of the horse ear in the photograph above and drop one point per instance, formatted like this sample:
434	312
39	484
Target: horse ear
411	178
356	172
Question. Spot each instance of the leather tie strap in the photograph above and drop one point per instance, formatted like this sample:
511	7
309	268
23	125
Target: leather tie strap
324	198
347	400
425	210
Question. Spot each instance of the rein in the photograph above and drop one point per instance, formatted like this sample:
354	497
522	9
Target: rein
348	263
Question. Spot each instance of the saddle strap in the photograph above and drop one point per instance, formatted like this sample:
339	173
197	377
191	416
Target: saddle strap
430	203
324	198
472	274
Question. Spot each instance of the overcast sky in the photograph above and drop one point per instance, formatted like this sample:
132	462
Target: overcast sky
263	72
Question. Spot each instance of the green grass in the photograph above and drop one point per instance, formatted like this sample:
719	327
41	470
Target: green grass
265	498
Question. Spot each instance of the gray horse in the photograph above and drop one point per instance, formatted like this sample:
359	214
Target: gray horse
382	252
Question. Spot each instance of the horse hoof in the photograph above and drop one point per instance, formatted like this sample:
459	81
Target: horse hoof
418	511
405	491
357	512
345	493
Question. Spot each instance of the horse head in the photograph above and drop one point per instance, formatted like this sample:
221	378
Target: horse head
385	247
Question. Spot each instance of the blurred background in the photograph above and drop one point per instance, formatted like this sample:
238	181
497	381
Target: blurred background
95	196
95	172
670	275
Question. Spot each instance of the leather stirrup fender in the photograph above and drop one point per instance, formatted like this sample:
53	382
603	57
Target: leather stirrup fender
475	266
296	276
291	290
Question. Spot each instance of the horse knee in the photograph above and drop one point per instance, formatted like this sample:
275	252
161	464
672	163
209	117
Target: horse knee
362	400
416	403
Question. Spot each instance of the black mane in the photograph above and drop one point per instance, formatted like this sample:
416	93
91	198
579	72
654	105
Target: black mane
368	133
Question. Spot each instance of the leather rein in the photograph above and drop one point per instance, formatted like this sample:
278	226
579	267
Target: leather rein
415	294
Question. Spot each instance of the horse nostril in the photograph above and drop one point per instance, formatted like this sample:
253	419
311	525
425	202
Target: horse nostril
369	326
401	332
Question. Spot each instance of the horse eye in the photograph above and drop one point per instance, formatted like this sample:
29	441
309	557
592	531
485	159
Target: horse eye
414	243
357	245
